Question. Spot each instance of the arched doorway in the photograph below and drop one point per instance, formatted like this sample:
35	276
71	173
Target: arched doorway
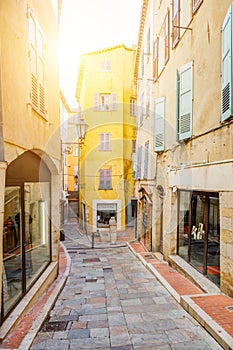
27	228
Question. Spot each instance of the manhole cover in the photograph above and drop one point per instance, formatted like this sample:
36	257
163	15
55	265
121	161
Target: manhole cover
54	326
91	260
229	308
72	251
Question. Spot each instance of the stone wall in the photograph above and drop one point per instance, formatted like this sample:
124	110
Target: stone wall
226	242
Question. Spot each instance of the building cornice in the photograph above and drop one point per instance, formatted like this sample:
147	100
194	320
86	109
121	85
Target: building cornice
140	37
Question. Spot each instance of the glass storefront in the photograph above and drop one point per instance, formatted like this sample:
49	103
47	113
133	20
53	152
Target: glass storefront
26	234
104	213
199	232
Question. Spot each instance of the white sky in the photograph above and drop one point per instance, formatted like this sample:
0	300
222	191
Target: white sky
89	25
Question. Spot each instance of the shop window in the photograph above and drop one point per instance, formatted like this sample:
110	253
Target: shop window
26	231
199	232
104	213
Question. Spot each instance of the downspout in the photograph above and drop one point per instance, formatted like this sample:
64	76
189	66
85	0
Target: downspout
3	166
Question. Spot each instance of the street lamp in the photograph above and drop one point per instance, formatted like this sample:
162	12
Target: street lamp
78	125
75	135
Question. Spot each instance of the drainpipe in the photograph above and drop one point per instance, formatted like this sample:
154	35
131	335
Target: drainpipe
3	166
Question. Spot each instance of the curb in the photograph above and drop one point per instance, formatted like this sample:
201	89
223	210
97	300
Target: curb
58	286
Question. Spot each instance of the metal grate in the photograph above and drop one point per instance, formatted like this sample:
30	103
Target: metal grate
229	308
54	326
88	260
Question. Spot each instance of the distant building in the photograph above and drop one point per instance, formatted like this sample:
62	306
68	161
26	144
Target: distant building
29	153
106	95
184	177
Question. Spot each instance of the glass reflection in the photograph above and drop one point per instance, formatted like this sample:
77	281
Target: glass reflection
37	228
12	249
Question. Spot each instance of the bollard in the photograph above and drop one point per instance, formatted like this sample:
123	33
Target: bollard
112	229
92	239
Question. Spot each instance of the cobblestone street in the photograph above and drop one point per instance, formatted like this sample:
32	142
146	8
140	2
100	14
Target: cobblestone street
111	301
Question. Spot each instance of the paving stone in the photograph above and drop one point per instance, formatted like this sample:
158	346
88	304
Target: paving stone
78	333
112	302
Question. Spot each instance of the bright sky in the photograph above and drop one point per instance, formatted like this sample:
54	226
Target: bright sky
89	25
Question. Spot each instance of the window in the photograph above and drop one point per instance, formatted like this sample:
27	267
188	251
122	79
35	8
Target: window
148	45
104	141
196	4
175	22
38	94
76	151
105	102
142	63
166	37
133	107
105	179
159	117
139	162
146	160
227	63
184	101
141	110
156	58
199	232
147	99
106	66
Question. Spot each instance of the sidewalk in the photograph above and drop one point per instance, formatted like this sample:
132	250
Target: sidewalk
214	311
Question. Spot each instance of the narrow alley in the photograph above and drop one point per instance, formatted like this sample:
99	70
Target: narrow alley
111	301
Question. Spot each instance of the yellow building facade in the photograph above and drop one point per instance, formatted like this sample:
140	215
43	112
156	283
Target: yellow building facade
30	154
184	139
106	95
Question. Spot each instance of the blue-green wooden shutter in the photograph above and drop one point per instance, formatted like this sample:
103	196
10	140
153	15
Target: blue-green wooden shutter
185	101
227	61
159	117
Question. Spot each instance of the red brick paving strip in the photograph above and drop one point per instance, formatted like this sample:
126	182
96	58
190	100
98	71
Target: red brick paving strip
215	307
14	338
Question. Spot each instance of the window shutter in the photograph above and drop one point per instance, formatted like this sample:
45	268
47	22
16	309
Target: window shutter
114	102
139	162
96	101
146	160
159	118
227	61
185	101
175	22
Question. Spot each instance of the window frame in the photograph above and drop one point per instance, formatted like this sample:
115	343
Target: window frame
175	23
183	90
38	77
105	176
105	141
